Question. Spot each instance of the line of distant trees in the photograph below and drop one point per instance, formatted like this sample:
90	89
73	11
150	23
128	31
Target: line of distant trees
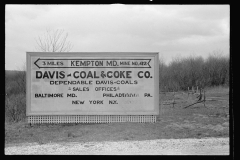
194	71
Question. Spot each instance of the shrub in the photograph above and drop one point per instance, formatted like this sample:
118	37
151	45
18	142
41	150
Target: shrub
15	98
15	107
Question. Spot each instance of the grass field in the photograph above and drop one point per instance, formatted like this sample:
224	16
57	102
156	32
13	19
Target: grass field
196	121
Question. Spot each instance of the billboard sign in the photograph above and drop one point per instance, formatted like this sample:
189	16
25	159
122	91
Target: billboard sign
92	83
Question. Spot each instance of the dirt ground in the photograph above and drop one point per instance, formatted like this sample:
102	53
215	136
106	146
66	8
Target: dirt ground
174	122
205	146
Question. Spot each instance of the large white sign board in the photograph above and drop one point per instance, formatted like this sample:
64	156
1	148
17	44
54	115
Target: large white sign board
73	83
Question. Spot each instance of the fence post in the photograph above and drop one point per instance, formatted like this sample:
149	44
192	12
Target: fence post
200	95
204	97
173	98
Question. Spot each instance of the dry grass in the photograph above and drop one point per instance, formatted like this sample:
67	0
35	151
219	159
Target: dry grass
196	121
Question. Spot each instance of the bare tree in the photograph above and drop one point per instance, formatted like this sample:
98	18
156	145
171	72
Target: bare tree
53	41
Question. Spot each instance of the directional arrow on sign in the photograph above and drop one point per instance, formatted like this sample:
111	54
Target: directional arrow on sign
36	63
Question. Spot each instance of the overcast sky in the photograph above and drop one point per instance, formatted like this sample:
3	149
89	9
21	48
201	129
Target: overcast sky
171	30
